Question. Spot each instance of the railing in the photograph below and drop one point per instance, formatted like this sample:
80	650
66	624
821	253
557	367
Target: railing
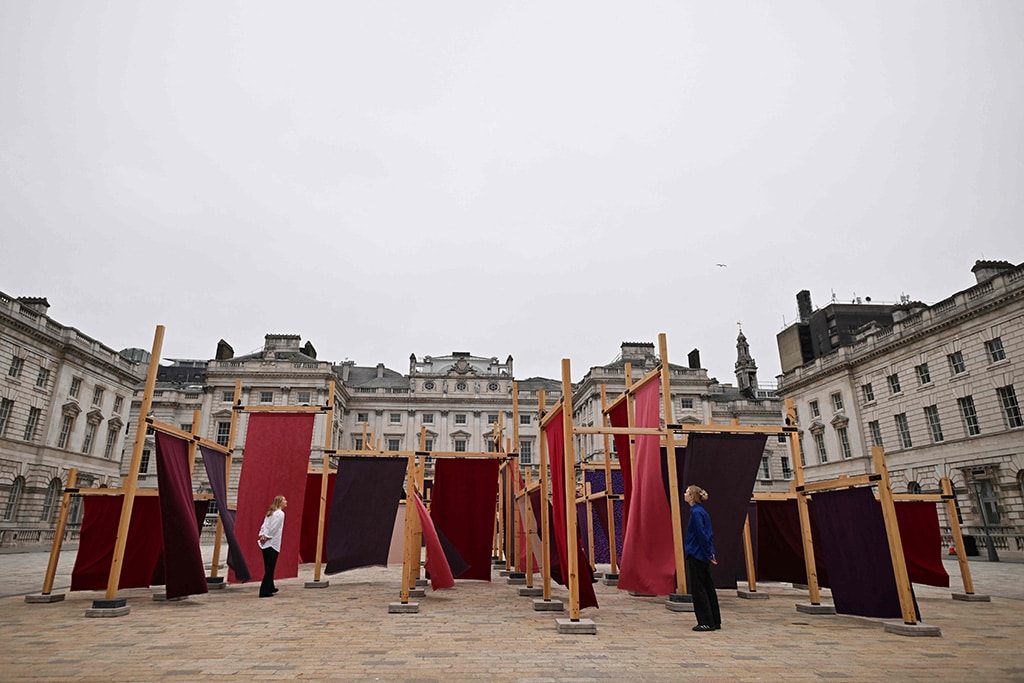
10	538
1008	538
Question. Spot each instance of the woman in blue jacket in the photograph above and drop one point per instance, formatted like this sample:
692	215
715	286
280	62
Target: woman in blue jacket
700	555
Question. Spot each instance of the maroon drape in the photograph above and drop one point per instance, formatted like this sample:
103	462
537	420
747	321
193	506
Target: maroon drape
216	471
311	516
921	540
275	462
619	417
554	432
436	563
183	558
101	516
463	506
362	513
648	555
535	502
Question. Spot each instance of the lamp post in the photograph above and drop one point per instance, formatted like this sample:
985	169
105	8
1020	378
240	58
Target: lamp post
990	546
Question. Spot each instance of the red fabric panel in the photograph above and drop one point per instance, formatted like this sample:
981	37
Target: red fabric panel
183	558
922	542
275	463
464	500
648	555
619	417
554	432
101	516
436	563
311	517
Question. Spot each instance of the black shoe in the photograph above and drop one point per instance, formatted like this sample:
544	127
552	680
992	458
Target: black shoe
718	627
268	595
703	627
273	591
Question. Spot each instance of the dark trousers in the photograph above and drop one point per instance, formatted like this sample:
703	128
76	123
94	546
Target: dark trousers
269	562
702	588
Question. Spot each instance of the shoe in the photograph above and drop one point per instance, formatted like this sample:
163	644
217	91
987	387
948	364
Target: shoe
703	627
273	591
268	595
718	627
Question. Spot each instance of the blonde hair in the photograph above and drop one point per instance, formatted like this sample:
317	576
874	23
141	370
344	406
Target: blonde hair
275	506
697	494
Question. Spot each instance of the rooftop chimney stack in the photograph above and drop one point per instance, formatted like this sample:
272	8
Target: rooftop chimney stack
803	305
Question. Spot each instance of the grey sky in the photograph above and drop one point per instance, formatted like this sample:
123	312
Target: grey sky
538	179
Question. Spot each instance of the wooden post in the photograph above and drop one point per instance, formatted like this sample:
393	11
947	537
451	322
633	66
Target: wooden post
545	521
131	484
58	534
814	593
613	550
236	402
958	537
892	532
748	553
630	417
673	480
569	463
325	473
409	505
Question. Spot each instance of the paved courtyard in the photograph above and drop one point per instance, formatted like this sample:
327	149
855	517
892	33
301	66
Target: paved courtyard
486	631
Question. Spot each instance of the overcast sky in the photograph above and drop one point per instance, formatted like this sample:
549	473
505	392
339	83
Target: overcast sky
544	180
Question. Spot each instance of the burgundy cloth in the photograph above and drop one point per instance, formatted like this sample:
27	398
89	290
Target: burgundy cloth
183	558
311	517
535	503
780	550
275	463
101	516
648	554
363	511
462	507
201	508
554	432
619	417
922	542
856	550
724	465
215	463
436	563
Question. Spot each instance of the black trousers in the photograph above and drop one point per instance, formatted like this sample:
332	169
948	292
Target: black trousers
702	589
267	587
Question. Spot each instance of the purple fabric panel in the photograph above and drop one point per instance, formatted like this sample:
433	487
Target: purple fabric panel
216	471
183	558
363	509
535	503
856	550
201	508
600	508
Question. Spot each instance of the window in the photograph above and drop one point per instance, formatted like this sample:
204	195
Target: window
90	434
53	494
428	386
969	415
394	444
490	445
876	433
33	423
995	350
844	443
986	493
766	468
266	397
526	452
97	396
304	397
787	470
819	444
1011	409
460	445
65	431
686	404
492	386
460	418
144	463
492	418
924	376
227	396
781	438
362	417
894	383
460	386
108	450
903	429
395	418
16	365
837	401
931	416
428	445
913	487
869	393
223	433
6	406
428	418
524	418
76	386
42	378
17	486
118	404
186	426
956	363
357	443
815	412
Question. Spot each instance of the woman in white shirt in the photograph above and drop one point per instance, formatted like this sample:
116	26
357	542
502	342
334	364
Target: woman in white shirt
270	543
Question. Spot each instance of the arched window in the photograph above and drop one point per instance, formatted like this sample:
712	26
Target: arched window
50	505
913	487
17	486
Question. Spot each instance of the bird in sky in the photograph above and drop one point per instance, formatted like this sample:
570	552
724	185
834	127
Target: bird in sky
721	265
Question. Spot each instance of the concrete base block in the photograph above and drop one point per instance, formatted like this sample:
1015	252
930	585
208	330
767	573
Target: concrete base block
417	592
548	606
751	595
679	603
530	592
162	597
216	583
422	583
403	608
902	629
108	611
610	579
966	597
40	598
809	608
585	627
642	595
514	580
316	584
504	572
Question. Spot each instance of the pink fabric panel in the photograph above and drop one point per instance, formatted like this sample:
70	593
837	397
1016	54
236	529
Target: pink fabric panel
619	417
436	563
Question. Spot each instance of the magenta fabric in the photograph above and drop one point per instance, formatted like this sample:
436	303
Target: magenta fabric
619	417
363	510
183	558
463	504
215	463
275	462
311	517
101	516
436	563
554	432
648	556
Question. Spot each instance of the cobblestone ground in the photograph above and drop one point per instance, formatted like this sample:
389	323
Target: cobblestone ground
486	631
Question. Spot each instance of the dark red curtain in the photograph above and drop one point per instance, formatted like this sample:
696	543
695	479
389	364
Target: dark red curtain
463	505
436	564
275	462
311	517
922	542
101	516
216	471
535	502
619	417
363	511
183	558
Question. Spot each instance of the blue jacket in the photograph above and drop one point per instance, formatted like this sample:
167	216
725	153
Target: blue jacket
700	540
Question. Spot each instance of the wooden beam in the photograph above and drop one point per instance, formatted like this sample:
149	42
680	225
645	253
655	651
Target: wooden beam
813	589
325	473
958	537
673	481
892	532
545	517
58	534
569	471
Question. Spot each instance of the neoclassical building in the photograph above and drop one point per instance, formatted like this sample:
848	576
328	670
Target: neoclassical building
64	403
939	387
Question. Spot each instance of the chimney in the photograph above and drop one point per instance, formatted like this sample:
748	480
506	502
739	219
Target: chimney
346	368
803	305
309	350
224	351
380	370
693	359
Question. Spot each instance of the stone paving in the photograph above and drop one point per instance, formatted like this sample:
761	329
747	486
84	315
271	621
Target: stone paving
486	631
